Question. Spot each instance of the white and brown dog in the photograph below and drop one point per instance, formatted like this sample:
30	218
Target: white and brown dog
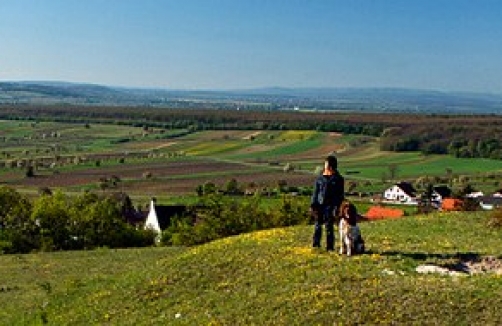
351	241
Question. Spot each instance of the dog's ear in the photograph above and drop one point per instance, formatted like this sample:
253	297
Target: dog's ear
343	208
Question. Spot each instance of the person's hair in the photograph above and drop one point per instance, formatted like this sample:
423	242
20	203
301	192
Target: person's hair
332	162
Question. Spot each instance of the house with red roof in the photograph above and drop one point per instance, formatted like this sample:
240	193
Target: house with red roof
380	212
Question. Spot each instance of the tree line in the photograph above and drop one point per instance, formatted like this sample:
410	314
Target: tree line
223	216
55	221
459	141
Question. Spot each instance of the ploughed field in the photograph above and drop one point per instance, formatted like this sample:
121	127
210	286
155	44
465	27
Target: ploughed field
166	176
75	157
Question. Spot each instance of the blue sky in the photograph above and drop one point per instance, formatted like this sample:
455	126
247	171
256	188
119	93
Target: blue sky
452	45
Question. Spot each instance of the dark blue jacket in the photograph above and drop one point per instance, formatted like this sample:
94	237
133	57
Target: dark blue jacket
328	192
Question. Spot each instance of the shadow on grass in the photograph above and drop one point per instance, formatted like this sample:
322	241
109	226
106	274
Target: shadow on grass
422	256
464	262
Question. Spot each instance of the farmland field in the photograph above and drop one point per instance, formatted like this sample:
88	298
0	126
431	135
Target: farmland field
172	162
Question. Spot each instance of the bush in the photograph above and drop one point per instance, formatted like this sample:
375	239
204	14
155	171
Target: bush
58	222
180	232
5	244
470	204
18	231
290	212
30	172
98	222
51	214
222	217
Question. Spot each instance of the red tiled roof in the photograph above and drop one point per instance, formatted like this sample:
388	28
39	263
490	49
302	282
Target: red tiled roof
451	204
379	212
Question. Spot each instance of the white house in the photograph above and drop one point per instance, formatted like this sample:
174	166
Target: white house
159	216
401	193
152	221
476	194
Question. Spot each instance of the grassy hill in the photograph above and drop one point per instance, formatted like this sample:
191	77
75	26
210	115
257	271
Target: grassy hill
267	277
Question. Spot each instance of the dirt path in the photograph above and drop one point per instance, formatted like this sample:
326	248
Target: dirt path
165	145
254	134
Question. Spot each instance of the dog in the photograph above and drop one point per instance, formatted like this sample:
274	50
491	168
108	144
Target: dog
351	241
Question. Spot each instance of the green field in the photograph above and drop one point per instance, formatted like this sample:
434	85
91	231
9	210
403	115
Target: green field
412	165
269	277
96	149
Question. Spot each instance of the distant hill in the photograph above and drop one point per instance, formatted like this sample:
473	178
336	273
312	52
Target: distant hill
58	92
274	98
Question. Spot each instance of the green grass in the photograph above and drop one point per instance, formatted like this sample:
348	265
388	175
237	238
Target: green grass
297	135
214	148
413	165
270	277
74	138
287	147
384	158
14	128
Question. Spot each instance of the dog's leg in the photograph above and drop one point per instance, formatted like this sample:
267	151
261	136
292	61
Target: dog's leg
342	238
349	246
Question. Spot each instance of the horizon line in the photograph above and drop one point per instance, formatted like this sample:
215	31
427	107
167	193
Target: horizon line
250	88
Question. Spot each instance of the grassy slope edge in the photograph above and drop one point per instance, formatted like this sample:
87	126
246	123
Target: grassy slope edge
266	277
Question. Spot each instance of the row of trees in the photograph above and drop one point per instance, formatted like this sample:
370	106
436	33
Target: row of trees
460	142
233	187
58	222
222	216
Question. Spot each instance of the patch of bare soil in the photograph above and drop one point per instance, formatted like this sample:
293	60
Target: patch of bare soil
466	266
128	171
335	134
165	145
254	134
488	264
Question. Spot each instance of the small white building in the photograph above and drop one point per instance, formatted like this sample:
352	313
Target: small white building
152	220
490	202
401	193
159	216
476	194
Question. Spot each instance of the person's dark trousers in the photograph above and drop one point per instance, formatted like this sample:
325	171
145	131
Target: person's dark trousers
324	217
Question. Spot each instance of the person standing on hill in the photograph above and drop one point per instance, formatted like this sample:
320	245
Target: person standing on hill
326	200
